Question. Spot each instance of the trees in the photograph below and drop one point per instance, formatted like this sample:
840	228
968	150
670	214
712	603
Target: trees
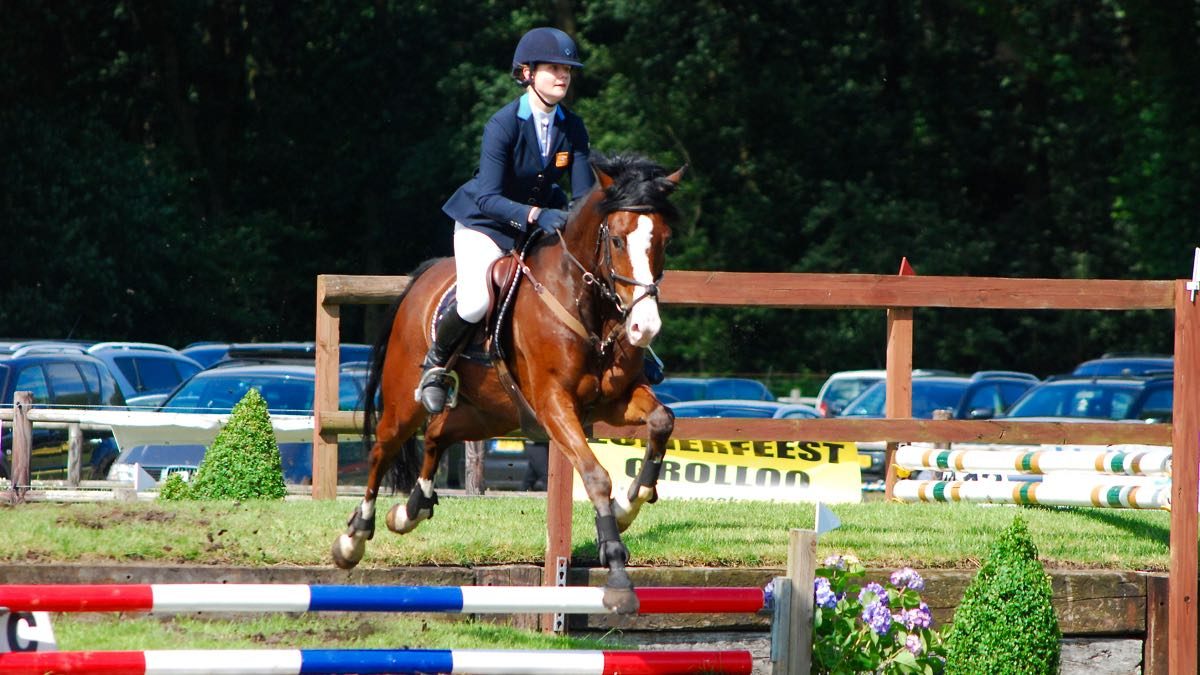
188	169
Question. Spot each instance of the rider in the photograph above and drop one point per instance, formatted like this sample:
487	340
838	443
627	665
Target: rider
528	145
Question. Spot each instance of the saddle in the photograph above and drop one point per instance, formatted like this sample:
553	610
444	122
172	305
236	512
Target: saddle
503	276
486	346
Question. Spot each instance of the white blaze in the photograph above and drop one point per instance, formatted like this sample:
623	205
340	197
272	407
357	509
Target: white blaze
643	322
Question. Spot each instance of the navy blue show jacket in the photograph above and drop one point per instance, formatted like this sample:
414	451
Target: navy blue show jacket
512	177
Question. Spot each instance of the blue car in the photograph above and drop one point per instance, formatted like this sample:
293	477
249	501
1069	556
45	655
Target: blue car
287	389
143	370
1126	364
64	377
222	354
675	389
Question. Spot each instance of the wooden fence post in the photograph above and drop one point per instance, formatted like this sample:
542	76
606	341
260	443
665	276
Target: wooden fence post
801	571
474	468
74	453
22	448
560	477
1185	441
325	397
898	398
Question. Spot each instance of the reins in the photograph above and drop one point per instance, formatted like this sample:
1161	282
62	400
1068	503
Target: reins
605	285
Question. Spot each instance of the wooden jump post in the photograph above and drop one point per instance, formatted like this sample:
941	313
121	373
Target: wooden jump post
870	291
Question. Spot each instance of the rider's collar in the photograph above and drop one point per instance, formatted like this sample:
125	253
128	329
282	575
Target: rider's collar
525	110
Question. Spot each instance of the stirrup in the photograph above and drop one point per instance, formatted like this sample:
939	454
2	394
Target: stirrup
437	376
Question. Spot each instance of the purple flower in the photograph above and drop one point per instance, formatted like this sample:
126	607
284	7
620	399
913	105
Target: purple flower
825	596
916	618
835	562
907	578
913	644
865	595
877	616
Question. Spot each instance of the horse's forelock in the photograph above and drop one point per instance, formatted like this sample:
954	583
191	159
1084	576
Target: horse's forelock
637	182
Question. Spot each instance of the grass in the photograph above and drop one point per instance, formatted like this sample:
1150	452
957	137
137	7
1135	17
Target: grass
511	529
104	632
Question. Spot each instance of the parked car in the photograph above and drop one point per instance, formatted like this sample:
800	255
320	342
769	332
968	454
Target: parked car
65	378
9	347
743	408
965	397
674	389
991	393
1107	398
248	353
205	353
144	371
1125	364
287	389
842	387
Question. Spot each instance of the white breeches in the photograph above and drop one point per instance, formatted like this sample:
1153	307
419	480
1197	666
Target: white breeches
474	253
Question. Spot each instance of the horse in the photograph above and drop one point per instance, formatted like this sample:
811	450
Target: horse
571	353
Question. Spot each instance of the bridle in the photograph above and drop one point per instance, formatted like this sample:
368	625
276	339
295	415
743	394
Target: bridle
605	284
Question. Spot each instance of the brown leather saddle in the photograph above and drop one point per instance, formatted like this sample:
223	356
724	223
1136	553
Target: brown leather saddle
503	275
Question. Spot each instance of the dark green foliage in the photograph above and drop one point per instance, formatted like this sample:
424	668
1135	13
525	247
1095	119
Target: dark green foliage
243	461
1006	622
180	173
174	489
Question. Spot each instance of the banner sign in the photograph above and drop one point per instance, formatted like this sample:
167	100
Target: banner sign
785	471
26	632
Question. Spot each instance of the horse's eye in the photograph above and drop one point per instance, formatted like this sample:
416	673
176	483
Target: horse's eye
618	243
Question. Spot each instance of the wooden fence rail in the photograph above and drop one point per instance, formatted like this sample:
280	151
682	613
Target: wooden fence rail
899	295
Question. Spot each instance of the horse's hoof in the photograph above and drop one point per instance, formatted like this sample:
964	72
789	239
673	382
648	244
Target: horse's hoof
620	600
398	522
348	550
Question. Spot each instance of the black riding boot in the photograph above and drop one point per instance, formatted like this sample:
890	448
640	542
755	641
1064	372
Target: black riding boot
435	382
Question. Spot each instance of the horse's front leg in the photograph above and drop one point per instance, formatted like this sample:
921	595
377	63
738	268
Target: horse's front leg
644	408
561	419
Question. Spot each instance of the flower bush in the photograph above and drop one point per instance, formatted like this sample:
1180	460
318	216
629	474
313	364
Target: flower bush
874	628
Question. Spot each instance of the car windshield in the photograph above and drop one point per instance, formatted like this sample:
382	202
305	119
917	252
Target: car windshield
736	388
928	395
1129	366
841	392
681	390
1077	399
723	411
219	394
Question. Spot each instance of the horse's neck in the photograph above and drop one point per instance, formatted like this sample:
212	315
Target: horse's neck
550	261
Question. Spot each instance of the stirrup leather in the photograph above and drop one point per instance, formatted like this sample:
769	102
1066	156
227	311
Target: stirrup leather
449	379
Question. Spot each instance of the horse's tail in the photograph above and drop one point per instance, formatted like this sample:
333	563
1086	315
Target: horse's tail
402	475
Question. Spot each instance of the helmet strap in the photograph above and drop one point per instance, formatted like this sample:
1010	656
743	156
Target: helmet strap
529	83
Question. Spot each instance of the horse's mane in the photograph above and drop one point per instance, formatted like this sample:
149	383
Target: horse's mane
637	182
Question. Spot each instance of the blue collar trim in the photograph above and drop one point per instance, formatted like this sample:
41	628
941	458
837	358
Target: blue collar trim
524	111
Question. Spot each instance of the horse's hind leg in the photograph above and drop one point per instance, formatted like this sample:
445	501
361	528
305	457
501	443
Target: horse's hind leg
392	440
645	408
422	499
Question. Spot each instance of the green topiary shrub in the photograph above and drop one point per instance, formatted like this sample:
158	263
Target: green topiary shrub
174	489
1006	622
243	461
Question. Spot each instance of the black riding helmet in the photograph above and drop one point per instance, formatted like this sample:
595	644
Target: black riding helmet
544	45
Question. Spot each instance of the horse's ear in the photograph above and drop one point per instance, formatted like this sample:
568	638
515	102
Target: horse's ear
604	179
678	175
